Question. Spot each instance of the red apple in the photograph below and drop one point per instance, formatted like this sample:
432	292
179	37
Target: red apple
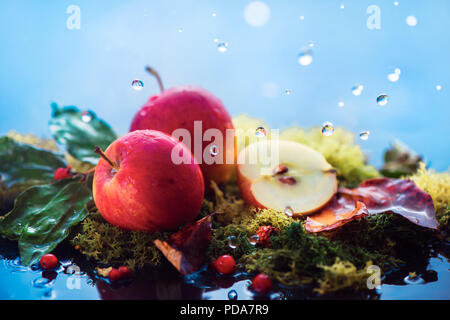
299	183
178	108
138	187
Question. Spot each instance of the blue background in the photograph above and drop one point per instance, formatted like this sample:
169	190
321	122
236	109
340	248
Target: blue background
43	61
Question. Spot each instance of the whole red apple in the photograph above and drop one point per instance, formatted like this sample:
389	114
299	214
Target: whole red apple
179	108
138	187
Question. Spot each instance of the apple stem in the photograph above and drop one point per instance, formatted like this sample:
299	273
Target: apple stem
156	75
100	152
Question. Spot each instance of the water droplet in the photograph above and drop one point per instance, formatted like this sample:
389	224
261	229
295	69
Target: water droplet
411	21
327	129
257	13
214	150
180	30
232	295
86	116
260	132
438	87
253	240
305	57
287	92
341	104
232	242
137	85
364	135
382	99
413	280
357	89
216	40
222	47
393	77
31	230
395	3
289	211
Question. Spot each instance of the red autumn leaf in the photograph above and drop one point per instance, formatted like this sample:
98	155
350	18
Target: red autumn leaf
374	196
186	248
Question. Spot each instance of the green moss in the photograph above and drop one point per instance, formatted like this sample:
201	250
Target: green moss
220	244
109	245
339	150
297	257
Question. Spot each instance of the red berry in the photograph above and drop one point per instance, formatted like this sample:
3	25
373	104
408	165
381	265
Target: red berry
125	272
261	283
114	275
225	264
264	233
48	261
62	173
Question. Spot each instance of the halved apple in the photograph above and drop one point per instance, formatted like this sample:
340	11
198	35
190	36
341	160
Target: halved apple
296	179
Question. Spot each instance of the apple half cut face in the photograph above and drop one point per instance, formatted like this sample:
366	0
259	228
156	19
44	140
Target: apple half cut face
296	179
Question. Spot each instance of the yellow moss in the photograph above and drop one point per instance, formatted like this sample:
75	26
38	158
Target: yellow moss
30	139
339	150
265	217
437	185
343	275
109	245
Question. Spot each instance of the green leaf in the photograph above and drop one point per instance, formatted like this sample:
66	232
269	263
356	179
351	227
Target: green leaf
43	216
78	136
20	163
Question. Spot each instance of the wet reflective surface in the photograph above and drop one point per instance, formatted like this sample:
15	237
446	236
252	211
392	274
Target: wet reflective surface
75	278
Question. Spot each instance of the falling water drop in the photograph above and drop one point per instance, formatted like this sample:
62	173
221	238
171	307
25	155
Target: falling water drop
393	77
364	135
305	57
382	99
357	89
137	85
327	129
340	104
411	21
438	87
222	47
260	132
